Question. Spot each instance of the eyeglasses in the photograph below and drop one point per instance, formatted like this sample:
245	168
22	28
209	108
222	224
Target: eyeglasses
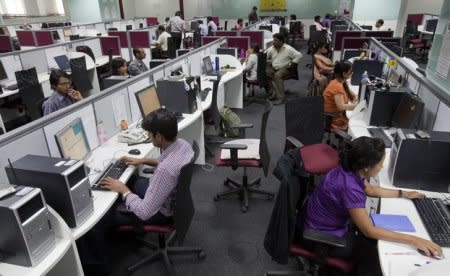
65	83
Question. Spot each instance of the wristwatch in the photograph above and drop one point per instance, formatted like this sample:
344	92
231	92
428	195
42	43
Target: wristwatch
400	193
124	195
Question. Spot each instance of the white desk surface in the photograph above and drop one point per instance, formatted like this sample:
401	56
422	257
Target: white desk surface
396	258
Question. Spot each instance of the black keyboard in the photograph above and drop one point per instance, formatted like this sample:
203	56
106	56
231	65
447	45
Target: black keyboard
204	93
379	133
114	170
436	218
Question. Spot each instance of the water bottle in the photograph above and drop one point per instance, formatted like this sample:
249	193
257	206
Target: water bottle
101	133
365	78
242	55
217	64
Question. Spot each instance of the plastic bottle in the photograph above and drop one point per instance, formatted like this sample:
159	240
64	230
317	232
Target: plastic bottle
217	64
242	54
365	78
101	133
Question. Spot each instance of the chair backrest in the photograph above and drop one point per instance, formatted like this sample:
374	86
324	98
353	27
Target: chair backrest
87	50
184	205
295	27
261	70
39	105
264	153
171	48
225	25
30	91
214	108
304	119
80	77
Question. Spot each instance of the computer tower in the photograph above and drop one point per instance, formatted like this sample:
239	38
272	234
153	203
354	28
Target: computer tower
422	164
27	235
112	80
64	182
381	106
176	95
157	62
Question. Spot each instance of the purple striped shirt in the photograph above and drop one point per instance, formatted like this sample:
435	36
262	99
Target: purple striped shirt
327	208
163	182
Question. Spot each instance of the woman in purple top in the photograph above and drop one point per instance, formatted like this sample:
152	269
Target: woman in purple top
341	198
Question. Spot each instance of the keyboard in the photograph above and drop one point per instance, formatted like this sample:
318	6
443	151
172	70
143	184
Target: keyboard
204	93
113	170
379	133
436	218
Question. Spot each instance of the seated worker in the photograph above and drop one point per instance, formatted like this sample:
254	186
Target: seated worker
137	66
337	97
161	43
63	93
340	201
318	25
323	66
212	27
282	57
150	199
379	24
203	28
119	67
239	25
326	22
251	62
253	16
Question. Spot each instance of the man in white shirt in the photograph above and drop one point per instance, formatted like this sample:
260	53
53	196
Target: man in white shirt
176	24
162	40
212	27
283	57
318	25
202	28
379	24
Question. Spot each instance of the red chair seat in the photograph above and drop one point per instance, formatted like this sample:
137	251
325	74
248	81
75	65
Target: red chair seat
163	229
255	82
241	162
319	158
341	264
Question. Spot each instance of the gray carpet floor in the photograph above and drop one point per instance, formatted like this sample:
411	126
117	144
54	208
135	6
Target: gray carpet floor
232	241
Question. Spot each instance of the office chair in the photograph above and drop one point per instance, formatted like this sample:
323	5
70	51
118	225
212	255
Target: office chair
244	189
87	50
39	105
183	214
261	79
30	91
295	31
171	48
80	77
295	190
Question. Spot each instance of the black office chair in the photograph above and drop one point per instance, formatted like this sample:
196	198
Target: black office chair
183	213
245	188
171	48
80	76
87	50
39	105
261	79
30	91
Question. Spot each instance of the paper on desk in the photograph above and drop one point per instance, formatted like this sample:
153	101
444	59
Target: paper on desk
119	110
359	108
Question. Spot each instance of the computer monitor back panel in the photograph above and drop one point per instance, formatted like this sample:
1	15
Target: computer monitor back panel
408	112
373	68
381	106
228	51
173	95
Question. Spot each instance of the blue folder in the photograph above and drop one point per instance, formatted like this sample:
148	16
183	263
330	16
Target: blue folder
393	222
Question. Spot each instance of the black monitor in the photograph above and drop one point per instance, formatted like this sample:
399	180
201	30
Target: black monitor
3	75
366	27
147	100
141	25
55	35
181	52
396	49
228	51
266	27
408	112
430	25
74	37
348	54
129	27
157	62
373	68
72	141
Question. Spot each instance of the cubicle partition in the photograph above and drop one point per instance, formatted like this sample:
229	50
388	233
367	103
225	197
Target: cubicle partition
256	37
151	21
44	38
226	33
110	43
26	38
6	44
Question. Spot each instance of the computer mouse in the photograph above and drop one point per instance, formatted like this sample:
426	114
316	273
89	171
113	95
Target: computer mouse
148	170
436	257
134	152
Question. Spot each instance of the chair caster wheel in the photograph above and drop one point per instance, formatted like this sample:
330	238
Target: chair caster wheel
244	209
216	198
201	255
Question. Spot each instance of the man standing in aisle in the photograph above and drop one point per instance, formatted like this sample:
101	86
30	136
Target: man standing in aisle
176	24
137	66
283	58
212	27
253	16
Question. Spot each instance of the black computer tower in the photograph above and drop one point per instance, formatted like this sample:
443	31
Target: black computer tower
381	106
64	183
176	95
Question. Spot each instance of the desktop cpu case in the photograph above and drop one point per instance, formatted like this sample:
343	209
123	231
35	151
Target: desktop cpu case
175	97
422	164
26	234
64	182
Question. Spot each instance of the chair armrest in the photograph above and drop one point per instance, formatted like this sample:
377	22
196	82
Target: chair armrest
323	238
234	160
344	135
242	126
294	141
233	146
121	208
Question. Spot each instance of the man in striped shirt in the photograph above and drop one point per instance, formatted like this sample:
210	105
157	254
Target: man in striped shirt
150	199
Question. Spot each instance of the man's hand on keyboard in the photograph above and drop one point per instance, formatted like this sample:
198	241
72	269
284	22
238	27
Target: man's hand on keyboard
412	194
114	185
132	160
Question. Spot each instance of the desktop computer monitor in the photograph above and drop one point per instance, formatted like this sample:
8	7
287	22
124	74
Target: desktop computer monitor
181	52
129	27
3	75
228	51
72	141
67	32
373	68
366	27
55	35
408	112
266	27
156	62
74	37
147	100
430	25
350	53
63	62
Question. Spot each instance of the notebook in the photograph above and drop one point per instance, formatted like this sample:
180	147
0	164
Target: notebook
399	223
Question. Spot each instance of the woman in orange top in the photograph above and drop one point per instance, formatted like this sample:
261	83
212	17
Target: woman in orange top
337	96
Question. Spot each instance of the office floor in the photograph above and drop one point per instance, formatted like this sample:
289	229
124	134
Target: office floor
232	241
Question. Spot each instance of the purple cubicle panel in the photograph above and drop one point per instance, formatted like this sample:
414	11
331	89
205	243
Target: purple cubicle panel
25	38
226	33
110	43
139	39
216	20
151	21
208	39
339	37
354	42
256	37
390	40
379	33
416	18
240	42
44	38
6	44
122	36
